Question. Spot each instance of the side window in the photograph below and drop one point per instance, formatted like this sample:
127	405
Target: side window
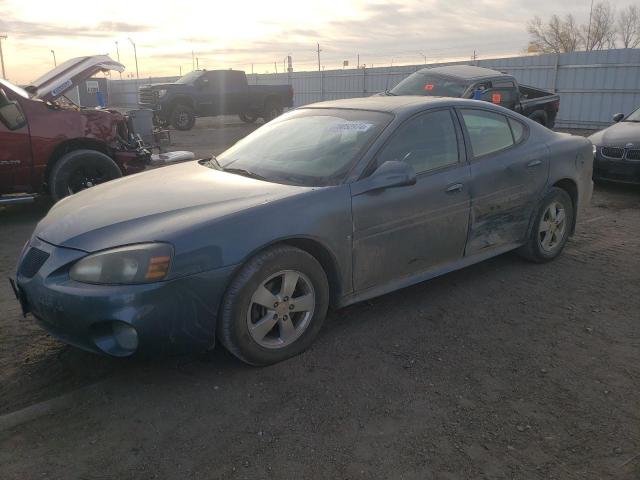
518	129
489	132
426	142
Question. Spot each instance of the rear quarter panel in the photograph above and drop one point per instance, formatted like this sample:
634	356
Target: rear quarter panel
571	157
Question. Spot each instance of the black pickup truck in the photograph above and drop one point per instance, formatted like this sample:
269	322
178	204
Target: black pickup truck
203	93
467	81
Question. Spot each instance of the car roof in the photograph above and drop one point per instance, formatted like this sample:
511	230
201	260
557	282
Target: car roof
467	72
396	104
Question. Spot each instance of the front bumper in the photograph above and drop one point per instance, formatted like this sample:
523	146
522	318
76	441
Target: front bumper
622	171
173	316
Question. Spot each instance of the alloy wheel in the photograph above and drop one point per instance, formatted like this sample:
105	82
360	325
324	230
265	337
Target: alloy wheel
281	309
553	225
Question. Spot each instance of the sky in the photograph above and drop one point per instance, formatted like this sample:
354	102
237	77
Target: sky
260	34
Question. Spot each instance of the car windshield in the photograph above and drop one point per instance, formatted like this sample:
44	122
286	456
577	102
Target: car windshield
190	77
311	147
430	85
634	117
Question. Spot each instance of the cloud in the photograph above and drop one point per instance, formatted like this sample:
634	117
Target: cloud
26	29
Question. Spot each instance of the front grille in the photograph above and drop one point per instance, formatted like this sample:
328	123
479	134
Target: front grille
613	152
147	96
633	155
32	262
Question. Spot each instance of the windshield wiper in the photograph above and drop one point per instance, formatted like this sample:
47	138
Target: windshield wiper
212	163
244	173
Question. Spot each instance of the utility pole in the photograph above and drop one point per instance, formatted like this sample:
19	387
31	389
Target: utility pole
474	57
589	46
252	69
118	55
275	66
358	60
197	63
135	54
423	56
55	64
180	67
319	57
193	60
2	37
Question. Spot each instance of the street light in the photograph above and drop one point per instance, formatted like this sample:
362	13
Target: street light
135	54
118	55
2	37
55	64
423	56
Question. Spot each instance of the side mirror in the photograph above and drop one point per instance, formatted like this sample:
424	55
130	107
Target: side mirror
390	174
10	113
618	117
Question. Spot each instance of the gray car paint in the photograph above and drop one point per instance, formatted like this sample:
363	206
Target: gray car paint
216	221
618	135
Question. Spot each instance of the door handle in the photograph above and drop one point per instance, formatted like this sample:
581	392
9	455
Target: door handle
456	187
534	163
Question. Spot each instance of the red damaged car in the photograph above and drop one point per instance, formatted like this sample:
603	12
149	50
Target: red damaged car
48	144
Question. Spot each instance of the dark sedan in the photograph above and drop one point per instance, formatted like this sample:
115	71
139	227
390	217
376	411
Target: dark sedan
617	150
325	206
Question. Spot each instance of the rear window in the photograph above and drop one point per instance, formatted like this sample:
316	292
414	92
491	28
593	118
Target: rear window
429	84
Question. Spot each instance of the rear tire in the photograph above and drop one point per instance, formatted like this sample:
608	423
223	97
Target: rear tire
79	170
266	319
183	117
539	116
551	227
248	117
272	109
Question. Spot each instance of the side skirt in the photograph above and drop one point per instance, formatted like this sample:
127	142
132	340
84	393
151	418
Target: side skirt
422	276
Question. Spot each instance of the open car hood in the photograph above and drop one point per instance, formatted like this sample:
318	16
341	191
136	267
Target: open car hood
69	74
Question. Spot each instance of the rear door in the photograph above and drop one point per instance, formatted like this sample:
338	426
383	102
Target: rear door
400	232
508	176
15	158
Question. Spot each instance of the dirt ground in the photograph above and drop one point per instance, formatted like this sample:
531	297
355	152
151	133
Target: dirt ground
503	370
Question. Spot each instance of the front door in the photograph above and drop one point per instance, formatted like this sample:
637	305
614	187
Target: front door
15	159
508	176
400	232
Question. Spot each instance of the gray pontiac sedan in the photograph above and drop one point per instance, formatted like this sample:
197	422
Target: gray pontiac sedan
325	206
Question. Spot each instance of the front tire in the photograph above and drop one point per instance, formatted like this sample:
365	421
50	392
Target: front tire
274	306
79	170
551	228
182	117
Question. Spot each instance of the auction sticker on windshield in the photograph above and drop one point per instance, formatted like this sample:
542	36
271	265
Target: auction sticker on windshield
351	127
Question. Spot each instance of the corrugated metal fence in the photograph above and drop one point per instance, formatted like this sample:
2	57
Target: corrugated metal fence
593	86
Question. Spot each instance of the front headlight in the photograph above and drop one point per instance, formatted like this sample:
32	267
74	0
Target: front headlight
142	263
162	92
595	150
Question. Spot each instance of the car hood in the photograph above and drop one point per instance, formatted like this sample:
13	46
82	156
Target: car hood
154	206
69	74
618	135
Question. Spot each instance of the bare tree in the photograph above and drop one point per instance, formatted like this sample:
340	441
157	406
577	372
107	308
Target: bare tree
600	33
629	26
558	35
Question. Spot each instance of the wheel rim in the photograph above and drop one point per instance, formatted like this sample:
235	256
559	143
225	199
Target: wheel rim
83	178
552	228
281	309
183	119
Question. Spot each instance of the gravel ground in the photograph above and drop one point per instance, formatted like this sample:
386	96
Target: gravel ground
502	370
